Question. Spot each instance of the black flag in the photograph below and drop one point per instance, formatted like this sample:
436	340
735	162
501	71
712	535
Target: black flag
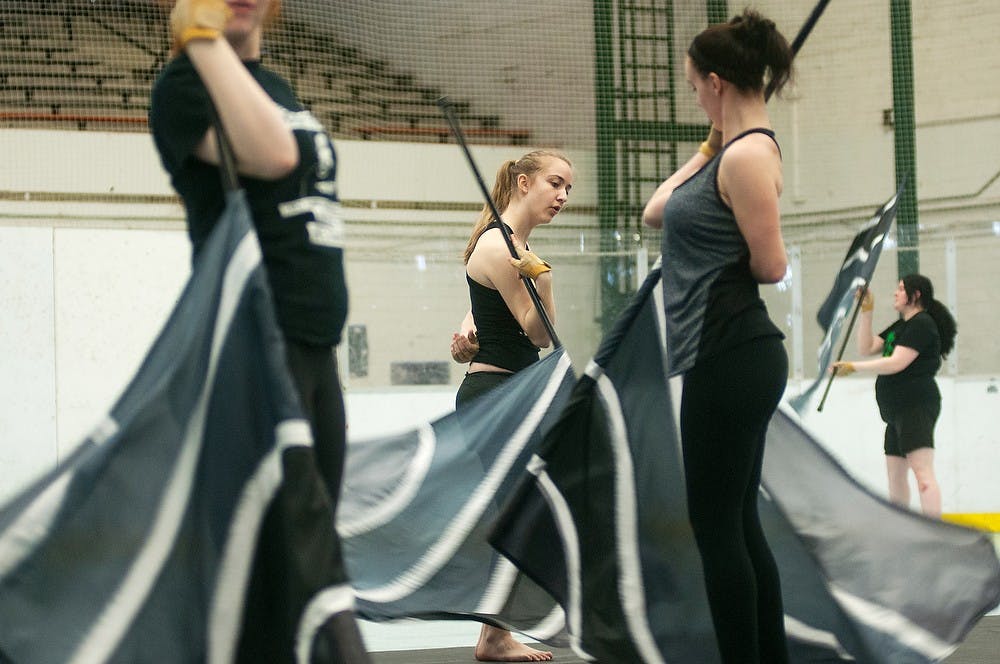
856	271
192	526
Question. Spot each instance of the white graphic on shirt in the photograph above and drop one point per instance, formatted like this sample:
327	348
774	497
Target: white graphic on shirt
327	227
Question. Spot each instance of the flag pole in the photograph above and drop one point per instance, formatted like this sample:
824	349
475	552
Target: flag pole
843	344
800	38
449	114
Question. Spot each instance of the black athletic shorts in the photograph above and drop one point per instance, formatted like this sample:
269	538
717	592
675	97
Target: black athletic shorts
911	430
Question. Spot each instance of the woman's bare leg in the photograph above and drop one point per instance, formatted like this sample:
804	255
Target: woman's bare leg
898	469
921	460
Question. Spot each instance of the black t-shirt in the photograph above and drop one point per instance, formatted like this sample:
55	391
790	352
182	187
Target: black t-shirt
914	385
297	218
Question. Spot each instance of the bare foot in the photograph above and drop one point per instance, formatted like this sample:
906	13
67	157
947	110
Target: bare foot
497	645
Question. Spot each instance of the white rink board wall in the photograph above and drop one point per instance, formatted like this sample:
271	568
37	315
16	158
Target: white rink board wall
84	286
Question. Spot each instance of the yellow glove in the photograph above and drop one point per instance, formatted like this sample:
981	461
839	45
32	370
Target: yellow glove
529	265
711	145
198	19
842	368
867	302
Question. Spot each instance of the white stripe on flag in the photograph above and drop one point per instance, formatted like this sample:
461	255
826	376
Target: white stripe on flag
107	631
570	538
806	634
498	589
226	611
550	625
441	551
389	507
328	603
630	583
894	625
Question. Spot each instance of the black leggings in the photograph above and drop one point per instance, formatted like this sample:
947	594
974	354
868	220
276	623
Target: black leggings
726	405
314	370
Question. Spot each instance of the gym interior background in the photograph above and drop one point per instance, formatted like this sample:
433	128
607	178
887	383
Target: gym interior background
93	251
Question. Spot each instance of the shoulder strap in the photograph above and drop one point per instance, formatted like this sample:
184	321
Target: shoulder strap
755	130
227	162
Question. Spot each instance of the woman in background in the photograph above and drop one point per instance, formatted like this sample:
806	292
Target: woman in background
908	398
721	238
287	166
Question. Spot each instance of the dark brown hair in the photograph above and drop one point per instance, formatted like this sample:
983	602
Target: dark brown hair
742	51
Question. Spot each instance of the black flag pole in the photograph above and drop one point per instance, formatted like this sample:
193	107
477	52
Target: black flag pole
800	38
857	306
843	343
456	129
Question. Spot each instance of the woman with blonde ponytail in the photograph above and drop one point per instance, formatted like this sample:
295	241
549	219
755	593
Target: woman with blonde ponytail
502	332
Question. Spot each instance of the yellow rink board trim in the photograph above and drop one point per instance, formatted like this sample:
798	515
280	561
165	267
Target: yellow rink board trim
981	520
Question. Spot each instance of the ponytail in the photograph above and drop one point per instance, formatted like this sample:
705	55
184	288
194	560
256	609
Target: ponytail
503	190
742	51
920	291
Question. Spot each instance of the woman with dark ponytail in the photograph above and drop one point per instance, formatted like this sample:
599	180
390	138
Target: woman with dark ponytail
908	398
721	238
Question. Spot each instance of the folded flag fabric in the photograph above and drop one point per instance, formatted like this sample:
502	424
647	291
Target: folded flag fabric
416	508
600	522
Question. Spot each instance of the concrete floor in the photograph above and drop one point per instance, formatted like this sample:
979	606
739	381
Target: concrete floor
982	646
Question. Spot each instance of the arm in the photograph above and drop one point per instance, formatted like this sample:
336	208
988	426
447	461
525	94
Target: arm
868	343
750	183
490	265
902	357
652	214
464	344
263	146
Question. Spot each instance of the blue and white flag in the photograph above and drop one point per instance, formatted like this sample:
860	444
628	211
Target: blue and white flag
416	509
191	526
855	272
600	522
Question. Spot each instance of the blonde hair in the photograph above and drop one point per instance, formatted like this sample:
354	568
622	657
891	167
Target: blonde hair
503	189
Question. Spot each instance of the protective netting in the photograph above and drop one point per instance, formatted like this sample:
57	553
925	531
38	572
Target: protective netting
883	92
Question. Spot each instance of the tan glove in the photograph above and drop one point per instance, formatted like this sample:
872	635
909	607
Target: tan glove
198	19
711	145
842	368
868	301
529	265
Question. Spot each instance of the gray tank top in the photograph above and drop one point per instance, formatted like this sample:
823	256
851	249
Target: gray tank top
711	301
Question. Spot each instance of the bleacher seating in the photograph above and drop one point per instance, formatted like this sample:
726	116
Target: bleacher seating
70	64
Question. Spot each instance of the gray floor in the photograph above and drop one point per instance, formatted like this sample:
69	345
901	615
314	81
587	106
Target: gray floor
982	646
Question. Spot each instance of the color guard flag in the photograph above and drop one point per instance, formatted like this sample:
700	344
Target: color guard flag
600	522
416	509
856	271
191	526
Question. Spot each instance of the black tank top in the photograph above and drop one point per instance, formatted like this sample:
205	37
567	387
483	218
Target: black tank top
502	342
